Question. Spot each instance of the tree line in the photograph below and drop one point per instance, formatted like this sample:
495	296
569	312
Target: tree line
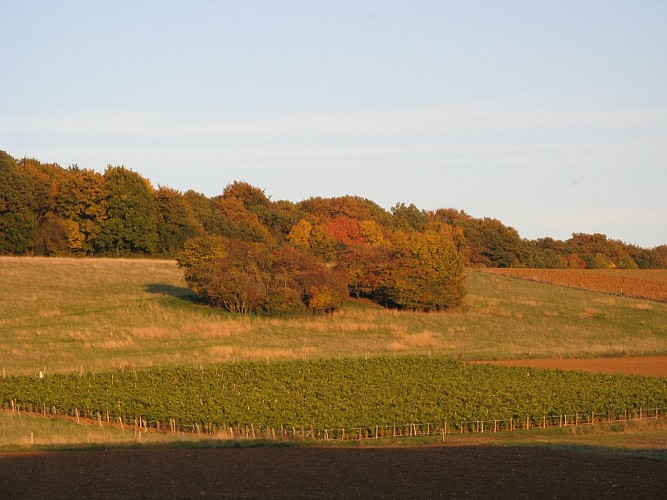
404	257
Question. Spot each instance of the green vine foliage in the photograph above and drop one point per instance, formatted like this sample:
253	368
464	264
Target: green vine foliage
334	393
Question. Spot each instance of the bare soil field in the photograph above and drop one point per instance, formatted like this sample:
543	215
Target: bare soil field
650	365
431	472
640	283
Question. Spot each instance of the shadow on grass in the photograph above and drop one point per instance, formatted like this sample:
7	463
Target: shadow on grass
178	292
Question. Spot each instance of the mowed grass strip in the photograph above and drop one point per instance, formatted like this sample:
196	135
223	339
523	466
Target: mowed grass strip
66	315
31	432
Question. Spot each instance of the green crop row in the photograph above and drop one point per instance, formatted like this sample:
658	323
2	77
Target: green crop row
333	393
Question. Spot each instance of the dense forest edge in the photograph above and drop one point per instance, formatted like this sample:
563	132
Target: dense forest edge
49	210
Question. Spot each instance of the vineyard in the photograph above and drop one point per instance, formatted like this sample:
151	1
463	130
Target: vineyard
643	284
373	395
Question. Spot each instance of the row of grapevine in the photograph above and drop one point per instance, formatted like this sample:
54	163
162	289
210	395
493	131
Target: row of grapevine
333	393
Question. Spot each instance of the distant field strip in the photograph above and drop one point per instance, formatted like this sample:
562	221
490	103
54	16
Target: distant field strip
648	284
649	365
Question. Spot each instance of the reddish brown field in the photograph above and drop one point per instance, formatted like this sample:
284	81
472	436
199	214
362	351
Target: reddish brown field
650	365
433	472
645	283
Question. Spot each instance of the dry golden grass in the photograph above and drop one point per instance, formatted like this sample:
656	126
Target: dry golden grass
30	432
99	314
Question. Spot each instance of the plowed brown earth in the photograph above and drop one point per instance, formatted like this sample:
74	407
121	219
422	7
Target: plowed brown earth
434	472
643	283
652	366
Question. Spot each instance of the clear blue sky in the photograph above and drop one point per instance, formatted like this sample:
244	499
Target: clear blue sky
548	115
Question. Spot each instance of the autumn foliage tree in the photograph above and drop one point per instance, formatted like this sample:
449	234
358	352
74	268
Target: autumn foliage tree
82	200
245	277
176	222
421	271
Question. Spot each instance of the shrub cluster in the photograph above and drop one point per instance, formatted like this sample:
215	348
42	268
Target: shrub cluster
247	277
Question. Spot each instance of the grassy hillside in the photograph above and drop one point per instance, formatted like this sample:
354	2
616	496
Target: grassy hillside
63	315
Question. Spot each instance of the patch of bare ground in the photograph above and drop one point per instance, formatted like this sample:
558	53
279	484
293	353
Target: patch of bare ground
650	365
299	472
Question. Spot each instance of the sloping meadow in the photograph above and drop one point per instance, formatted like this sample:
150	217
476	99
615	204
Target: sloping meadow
94	315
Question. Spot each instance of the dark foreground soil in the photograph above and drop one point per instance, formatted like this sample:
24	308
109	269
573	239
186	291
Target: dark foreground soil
433	472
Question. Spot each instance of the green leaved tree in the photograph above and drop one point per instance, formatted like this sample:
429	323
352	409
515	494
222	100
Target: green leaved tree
132	214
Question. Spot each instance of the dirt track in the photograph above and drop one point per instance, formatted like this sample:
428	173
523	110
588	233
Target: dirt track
652	366
436	472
